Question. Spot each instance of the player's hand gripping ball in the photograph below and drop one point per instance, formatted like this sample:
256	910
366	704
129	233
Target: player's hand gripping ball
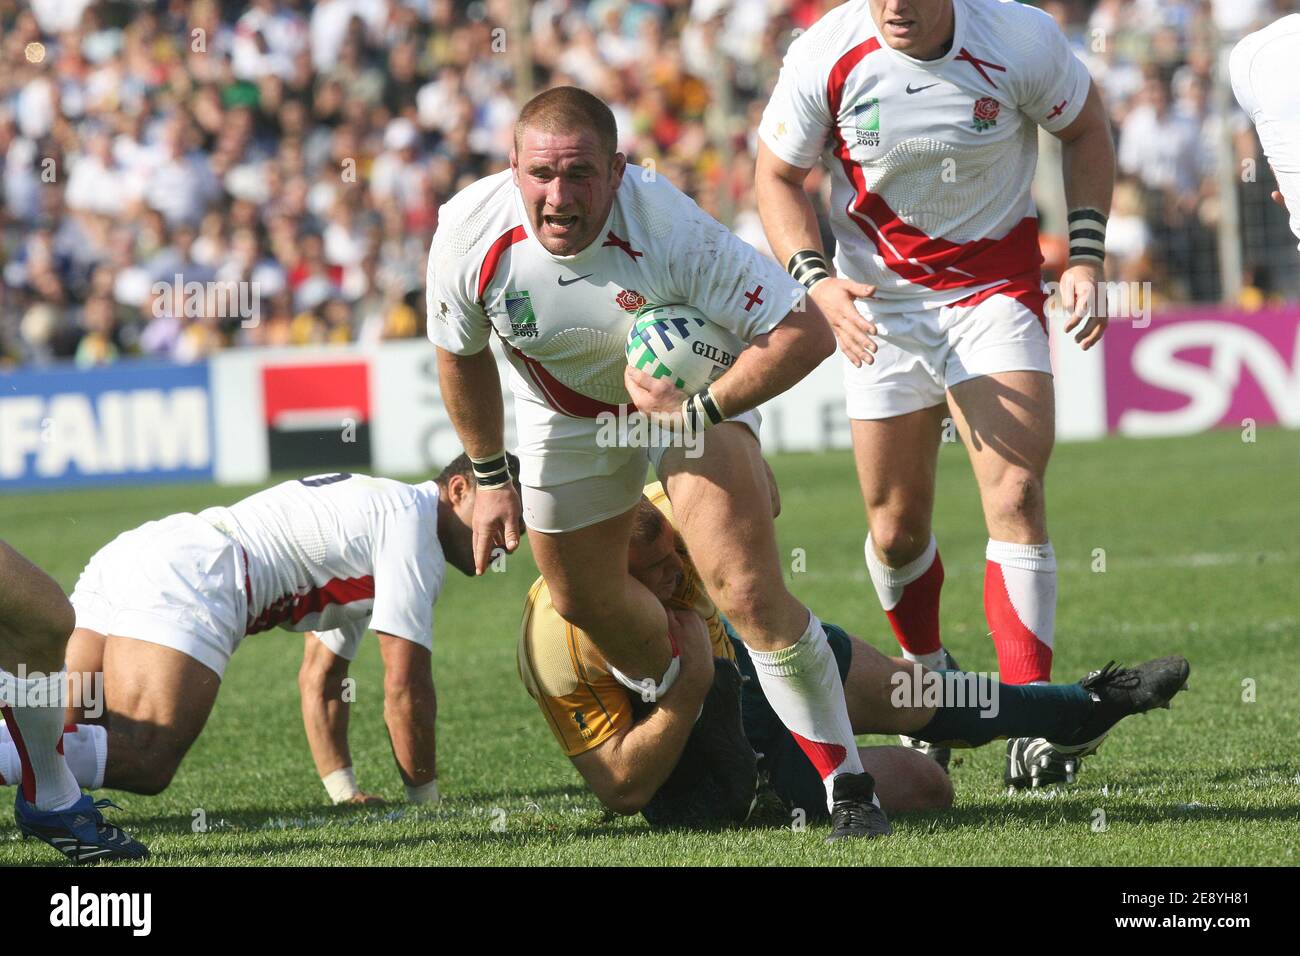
679	343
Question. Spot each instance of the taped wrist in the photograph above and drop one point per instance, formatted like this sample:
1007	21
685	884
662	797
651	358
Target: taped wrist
808	266
1087	234
702	411
492	472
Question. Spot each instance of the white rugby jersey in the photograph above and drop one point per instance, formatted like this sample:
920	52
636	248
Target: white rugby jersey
1263	68
930	160
563	320
335	553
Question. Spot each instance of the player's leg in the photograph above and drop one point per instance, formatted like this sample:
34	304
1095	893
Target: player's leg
85	656
892	695
590	589
157	701
896	460
35	622
85	739
723	506
1007	421
896	408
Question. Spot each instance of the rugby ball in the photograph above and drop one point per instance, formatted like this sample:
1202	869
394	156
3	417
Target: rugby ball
680	343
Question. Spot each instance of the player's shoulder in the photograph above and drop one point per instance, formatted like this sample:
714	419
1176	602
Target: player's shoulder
371	493
1285	29
651	205
477	214
1010	14
1023	32
834	34
397	495
1025	40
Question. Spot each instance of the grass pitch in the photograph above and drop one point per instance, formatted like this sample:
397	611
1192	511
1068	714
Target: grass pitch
1197	539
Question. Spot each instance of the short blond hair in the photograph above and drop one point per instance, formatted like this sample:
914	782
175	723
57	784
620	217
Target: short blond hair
565	109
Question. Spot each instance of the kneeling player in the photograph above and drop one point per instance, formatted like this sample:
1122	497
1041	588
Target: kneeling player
161	608
631	755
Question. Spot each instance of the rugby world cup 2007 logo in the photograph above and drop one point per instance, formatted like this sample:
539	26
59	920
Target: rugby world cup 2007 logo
866	121
519	309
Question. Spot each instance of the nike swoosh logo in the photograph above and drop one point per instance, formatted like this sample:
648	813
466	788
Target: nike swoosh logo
919	88
578	279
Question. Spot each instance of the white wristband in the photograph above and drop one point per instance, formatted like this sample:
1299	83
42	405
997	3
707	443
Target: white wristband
425	793
341	785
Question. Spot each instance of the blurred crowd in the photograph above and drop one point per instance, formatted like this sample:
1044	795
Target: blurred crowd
181	177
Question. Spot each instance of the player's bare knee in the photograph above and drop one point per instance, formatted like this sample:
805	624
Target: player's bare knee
1018	499
60	621
748	602
151	780
899	538
159	766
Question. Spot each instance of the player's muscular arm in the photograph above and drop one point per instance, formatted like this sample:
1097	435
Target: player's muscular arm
471	390
791	225
324	711
775	362
410	709
1088	166
628	769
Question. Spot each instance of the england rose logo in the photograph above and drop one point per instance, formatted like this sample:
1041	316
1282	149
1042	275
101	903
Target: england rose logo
629	300
986	113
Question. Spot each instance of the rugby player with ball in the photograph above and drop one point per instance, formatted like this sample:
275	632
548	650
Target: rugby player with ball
554	257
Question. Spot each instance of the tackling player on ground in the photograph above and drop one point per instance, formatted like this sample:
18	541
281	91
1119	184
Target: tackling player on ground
927	114
654	759
553	257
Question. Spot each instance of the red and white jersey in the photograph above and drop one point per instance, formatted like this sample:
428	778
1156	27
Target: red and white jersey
931	160
563	321
335	553
1263	69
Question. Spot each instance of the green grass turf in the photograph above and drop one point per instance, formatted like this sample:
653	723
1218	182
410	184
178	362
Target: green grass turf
1200	559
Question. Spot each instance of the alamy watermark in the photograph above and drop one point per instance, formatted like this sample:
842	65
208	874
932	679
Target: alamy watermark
635	429
1109	300
217	300
926	688
24	688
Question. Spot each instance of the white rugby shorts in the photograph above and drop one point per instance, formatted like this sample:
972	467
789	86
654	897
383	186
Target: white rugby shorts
177	582
924	352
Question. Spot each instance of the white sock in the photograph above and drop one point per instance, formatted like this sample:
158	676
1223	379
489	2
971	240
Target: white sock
85	748
1020	604
802	684
11	771
34	712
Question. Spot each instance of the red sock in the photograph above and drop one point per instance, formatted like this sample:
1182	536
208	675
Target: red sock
1020	604
910	597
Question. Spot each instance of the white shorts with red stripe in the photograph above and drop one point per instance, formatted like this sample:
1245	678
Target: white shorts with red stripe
177	582
924	352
